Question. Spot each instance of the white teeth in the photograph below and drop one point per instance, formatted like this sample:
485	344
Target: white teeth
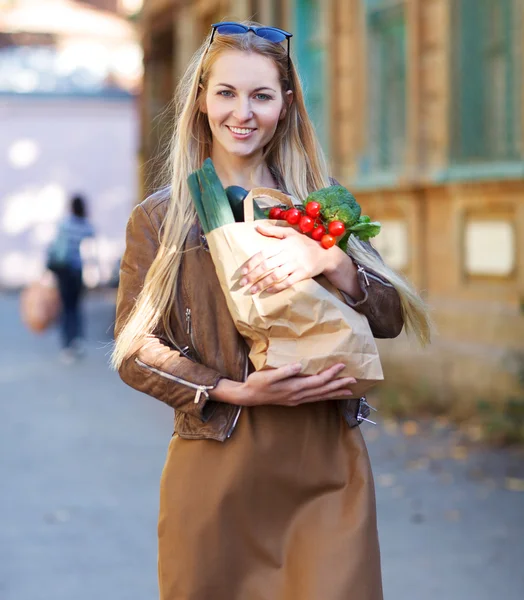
240	131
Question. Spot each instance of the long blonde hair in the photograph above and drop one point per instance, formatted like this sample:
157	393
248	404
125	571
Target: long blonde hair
294	154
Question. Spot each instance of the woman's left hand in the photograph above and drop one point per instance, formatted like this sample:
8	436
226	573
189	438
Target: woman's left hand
297	257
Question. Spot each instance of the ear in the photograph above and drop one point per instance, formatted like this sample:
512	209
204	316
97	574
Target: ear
288	101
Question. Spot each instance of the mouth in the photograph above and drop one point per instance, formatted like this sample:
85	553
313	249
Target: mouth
241	133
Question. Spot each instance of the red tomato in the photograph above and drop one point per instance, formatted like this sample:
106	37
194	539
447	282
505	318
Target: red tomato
275	213
336	228
283	215
318	233
327	241
293	216
319	221
305	224
313	209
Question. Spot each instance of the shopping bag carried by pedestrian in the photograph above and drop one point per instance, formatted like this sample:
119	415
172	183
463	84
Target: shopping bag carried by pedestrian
57	253
40	304
308	323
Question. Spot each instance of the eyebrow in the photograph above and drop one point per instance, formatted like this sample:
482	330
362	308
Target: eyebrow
258	89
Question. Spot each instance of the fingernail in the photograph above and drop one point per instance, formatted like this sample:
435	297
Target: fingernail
352	380
341	367
254	290
244	271
243	281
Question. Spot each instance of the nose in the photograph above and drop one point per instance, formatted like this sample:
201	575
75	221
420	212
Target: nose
243	111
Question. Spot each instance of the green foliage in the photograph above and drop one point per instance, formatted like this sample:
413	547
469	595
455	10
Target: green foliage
337	204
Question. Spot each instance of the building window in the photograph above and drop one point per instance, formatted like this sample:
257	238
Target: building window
310	49
386	32
486	87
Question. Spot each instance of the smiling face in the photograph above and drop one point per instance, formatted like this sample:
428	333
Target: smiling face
243	102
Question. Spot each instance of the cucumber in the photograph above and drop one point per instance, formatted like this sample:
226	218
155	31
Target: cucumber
236	195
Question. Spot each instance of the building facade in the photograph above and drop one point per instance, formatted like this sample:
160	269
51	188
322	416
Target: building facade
419	106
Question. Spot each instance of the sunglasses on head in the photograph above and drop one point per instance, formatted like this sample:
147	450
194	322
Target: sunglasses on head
272	34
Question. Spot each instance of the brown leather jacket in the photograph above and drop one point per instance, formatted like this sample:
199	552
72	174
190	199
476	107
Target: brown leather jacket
208	345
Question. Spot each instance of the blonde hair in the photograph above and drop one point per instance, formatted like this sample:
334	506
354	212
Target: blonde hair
294	154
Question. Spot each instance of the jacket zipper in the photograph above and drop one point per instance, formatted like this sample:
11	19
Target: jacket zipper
239	409
189	331
200	389
360	269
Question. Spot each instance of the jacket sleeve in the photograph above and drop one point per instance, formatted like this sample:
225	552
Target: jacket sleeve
155	367
380	303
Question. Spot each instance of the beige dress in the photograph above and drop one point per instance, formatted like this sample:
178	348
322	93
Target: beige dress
283	510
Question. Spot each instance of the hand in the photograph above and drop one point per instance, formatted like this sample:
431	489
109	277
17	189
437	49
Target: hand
296	258
284	387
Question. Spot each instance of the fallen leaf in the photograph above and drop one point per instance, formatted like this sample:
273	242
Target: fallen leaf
410	428
514	484
459	452
474	433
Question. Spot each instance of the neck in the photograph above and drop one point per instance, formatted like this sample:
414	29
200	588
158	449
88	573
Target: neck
246	171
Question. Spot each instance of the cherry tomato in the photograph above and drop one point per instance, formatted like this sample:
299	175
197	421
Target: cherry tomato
305	224
283	215
275	213
318	233
293	216
319	221
313	209
327	241
336	228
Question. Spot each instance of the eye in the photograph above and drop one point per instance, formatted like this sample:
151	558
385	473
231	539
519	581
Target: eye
263	97
225	93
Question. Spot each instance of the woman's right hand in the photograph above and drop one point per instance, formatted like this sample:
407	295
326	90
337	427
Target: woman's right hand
284	387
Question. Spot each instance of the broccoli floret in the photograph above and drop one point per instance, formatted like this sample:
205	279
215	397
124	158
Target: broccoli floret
337	204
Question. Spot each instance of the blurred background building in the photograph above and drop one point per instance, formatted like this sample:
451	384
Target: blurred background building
69	76
419	106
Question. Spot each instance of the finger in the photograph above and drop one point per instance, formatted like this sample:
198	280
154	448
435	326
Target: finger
333	387
344	394
266	266
285	372
298	275
258	258
273	278
317	381
276	231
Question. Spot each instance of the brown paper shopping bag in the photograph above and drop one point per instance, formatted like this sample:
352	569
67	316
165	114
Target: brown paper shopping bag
307	323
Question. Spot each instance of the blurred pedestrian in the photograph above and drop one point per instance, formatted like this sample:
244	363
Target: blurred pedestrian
267	490
65	260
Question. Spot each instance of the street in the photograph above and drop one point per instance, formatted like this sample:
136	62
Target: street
82	454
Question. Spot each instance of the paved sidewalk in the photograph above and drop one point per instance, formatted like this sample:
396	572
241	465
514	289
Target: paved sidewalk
81	457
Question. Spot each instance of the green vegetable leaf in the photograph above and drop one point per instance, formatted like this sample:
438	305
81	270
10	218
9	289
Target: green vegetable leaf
365	231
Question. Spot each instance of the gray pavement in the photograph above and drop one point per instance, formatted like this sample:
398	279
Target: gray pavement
81	457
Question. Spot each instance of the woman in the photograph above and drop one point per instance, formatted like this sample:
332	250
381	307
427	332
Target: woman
72	231
283	508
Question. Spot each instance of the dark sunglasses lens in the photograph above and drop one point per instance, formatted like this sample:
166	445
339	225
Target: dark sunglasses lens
271	34
231	29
